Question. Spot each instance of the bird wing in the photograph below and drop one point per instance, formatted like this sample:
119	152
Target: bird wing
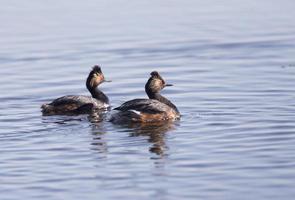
72	99
144	105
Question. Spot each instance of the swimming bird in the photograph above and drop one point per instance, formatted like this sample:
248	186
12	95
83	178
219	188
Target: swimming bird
80	104
156	108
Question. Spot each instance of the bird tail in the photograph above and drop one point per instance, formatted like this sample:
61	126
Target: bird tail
46	109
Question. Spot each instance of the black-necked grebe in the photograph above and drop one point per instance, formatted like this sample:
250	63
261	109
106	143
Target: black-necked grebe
156	108
78	104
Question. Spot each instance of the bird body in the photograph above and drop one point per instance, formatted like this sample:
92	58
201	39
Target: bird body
81	104
156	108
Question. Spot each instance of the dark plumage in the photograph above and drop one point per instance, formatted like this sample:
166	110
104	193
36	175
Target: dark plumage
156	108
79	104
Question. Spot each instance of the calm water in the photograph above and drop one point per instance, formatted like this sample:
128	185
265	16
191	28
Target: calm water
233	67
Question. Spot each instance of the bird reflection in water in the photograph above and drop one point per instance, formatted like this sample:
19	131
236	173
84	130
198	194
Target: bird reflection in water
99	143
72	118
98	131
156	133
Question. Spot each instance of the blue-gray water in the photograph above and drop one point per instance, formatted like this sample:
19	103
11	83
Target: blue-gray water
233	67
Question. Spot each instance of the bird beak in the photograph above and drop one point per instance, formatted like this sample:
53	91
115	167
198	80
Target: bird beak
107	81
168	85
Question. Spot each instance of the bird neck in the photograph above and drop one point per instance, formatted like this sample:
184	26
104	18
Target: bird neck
162	99
98	94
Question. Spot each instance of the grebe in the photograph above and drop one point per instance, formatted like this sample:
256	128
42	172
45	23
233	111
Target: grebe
79	104
155	109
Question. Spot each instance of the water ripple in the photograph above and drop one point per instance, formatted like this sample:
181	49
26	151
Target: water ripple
233	76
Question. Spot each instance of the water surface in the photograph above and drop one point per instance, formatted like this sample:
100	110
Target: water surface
233	67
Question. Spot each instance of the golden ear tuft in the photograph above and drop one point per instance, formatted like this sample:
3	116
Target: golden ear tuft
92	81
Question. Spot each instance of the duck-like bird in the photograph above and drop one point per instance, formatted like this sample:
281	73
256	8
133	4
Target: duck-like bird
80	104
156	108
